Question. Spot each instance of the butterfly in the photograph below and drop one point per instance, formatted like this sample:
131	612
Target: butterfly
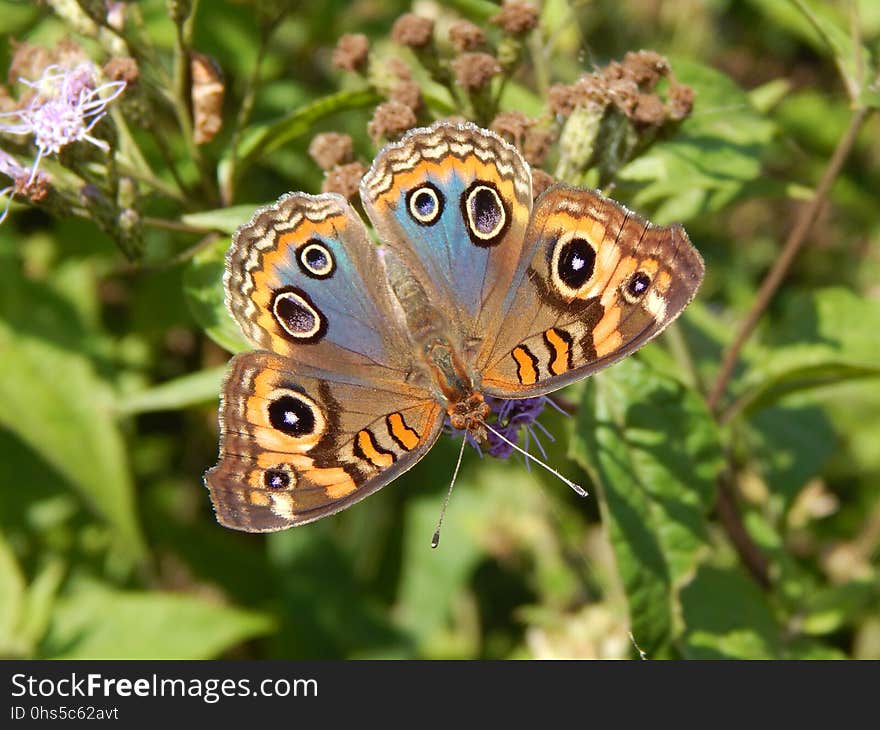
364	350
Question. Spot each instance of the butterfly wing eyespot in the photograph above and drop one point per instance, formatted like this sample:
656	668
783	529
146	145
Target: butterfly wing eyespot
635	287
572	264
315	259
279	477
297	316
295	415
485	213
425	204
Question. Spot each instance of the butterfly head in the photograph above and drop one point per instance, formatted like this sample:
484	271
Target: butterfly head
470	415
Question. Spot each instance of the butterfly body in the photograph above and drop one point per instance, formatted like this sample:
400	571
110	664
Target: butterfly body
364	351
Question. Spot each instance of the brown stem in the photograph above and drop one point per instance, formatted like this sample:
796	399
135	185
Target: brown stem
726	508
792	246
731	520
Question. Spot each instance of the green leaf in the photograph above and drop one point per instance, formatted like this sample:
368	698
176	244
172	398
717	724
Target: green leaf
40	602
712	157
188	390
223	220
55	402
261	140
836	607
432	580
728	617
790	446
853	60
12	600
95	622
826	337
347	620
203	285
653	449
767	96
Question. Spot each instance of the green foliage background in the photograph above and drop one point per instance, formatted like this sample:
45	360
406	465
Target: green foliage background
110	372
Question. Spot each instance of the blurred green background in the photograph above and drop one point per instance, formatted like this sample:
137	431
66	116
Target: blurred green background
110	366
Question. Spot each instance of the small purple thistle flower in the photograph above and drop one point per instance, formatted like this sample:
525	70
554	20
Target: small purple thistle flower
66	107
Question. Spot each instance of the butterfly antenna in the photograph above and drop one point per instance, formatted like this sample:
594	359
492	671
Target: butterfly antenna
576	487
435	541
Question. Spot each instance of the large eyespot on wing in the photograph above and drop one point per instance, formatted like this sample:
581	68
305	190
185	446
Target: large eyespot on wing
304	280
296	446
597	283
452	202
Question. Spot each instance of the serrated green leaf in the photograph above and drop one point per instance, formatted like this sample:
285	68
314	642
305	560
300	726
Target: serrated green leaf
653	448
203	285
95	622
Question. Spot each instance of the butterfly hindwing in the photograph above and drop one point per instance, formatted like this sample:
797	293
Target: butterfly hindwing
452	202
596	283
299	444
304	280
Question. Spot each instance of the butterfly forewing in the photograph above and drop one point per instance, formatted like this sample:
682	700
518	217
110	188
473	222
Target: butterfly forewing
304	280
452	201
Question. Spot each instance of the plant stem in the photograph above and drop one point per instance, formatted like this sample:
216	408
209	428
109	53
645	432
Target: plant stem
728	514
792	246
227	186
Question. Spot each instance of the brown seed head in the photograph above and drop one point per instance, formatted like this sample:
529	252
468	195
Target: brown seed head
540	182
536	145
516	18
344	179
646	68
122	69
681	102
465	36
648	111
475	70
412	30
330	149
512	126
351	52
390	120
563	99
408	94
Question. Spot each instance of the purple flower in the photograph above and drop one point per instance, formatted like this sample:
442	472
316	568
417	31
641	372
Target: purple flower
65	108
